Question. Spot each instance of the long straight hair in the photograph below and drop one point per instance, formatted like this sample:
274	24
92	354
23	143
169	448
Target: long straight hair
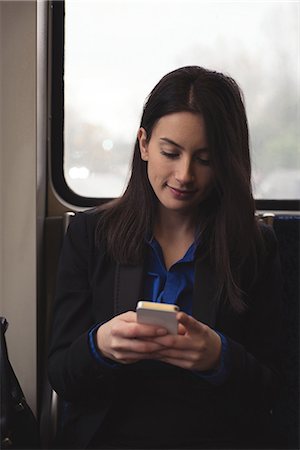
227	216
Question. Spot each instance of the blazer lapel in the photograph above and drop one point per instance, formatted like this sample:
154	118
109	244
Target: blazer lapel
127	289
128	285
204	298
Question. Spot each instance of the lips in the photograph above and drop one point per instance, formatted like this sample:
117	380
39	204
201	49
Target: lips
181	193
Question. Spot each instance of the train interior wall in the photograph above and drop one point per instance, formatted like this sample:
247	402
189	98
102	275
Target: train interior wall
23	41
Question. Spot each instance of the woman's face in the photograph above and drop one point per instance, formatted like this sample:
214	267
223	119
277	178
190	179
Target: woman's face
179	169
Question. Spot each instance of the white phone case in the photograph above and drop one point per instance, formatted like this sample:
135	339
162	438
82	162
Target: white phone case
161	314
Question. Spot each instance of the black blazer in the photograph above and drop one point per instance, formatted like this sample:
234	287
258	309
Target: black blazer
92	289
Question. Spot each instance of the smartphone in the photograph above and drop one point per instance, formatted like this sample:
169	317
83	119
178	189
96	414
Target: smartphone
162	314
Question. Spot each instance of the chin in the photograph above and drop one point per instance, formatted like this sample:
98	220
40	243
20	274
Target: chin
180	208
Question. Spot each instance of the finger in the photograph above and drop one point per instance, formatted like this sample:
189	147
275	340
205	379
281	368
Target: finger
135	346
183	364
189	322
128	316
136	330
181	329
188	355
174	341
129	357
125	355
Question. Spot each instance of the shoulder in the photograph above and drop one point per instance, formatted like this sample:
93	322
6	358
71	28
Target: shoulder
80	248
269	240
263	259
84	222
81	231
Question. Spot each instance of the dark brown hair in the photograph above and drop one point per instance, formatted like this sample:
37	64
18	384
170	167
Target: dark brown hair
229	233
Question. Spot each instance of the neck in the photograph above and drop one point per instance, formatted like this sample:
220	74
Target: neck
172	224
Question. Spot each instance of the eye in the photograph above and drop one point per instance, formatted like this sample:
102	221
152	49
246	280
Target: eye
169	155
202	161
202	157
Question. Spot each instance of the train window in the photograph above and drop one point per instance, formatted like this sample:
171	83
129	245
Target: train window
116	50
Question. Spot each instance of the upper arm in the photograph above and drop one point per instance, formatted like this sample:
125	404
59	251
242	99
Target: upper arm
71	366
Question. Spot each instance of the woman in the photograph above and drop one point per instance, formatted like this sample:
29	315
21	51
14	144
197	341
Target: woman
184	232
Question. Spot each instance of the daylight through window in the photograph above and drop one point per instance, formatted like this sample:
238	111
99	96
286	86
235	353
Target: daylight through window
116	50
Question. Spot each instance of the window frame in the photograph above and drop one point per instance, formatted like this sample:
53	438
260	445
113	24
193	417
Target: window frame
56	119
56	123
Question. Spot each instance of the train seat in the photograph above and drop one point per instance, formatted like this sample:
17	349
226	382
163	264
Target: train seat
286	411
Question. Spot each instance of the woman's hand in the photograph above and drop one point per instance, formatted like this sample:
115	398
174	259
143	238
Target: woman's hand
196	347
124	340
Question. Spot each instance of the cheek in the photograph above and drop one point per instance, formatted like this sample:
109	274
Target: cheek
155	169
210	178
207	180
152	174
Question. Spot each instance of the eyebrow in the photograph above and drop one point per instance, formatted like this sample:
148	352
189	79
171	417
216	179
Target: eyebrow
169	141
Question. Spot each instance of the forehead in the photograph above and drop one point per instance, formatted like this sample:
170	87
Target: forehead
185	128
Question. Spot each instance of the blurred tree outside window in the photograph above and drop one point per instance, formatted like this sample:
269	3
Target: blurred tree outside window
117	50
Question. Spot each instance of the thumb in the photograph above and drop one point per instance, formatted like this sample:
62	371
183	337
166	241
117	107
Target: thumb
189	322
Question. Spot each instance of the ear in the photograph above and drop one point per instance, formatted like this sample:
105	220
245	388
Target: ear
142	138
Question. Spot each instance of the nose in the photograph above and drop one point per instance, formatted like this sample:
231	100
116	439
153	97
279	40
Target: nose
184	171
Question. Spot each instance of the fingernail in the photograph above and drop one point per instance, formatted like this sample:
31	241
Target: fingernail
161	331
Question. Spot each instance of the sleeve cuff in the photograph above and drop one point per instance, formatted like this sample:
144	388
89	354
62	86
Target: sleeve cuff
218	376
97	355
